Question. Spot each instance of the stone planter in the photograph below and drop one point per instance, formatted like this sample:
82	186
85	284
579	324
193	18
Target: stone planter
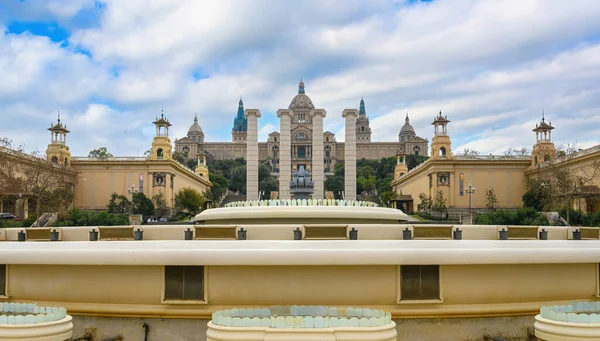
574	322
301	323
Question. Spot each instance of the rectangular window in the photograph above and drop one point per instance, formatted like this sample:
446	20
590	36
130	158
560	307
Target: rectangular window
419	282
184	283
2	280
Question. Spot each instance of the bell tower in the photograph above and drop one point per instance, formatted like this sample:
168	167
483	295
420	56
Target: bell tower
544	149
440	145
202	168
401	167
57	151
161	144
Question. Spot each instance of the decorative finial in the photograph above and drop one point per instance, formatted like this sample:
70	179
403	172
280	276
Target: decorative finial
543	118
59	117
301	86
195	117
162	112
406	119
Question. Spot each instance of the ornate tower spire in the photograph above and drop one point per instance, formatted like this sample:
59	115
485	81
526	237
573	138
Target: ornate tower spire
406	120
195	117
362	111
301	86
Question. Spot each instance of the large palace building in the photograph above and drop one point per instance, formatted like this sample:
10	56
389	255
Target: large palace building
301	132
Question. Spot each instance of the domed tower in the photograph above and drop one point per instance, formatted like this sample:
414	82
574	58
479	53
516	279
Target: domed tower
301	129
407	132
363	130
195	132
544	149
440	145
57	151
240	125
161	144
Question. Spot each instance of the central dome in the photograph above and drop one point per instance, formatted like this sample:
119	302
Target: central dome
195	128
407	127
301	100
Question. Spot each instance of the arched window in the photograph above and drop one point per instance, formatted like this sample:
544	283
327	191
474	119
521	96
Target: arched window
443	152
54	159
416	150
159	154
546	158
327	152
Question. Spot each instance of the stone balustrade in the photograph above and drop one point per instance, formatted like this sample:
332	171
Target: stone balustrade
573	322
302	202
301	317
29	313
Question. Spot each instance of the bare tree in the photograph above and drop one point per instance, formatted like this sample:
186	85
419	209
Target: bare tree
470	152
570	177
24	175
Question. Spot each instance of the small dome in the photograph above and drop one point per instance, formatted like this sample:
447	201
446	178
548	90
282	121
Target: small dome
195	128
407	128
301	100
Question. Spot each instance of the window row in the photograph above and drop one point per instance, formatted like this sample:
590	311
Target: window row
188	283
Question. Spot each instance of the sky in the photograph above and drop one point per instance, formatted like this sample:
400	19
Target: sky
111	66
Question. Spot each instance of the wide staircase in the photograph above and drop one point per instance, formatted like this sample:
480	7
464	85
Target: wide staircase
46	219
232	197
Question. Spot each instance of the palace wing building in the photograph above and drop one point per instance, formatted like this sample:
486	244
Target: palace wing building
301	132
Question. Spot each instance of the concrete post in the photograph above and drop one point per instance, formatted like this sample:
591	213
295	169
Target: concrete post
252	154
285	149
350	116
318	167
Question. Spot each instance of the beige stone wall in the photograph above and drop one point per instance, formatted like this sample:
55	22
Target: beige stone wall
506	178
485	290
98	179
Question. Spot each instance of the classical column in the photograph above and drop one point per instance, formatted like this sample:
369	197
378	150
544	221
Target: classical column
350	154
252	154
318	167
285	149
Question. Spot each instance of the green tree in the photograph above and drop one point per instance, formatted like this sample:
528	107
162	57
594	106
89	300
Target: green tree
179	157
413	161
491	200
101	153
335	184
338	169
118	204
366	184
365	172
219	185
439	204
425	204
538	196
191	163
237	180
148	153
386	167
142	205
268	185
189	200
160	204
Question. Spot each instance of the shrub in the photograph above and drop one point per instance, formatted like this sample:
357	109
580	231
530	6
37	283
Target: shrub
78	217
522	216
10	223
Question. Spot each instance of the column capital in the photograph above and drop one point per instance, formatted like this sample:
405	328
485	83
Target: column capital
252	112
321	112
282	112
352	112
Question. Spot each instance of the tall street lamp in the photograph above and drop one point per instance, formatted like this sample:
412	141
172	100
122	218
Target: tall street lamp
470	191
132	191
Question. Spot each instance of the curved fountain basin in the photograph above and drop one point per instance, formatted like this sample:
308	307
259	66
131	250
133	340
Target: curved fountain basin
550	330
301	215
220	333
59	330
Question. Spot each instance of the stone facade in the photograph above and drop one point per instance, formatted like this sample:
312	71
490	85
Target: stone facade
301	140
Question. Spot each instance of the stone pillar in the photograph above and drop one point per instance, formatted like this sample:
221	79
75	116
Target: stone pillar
350	154
285	149
318	167
252	154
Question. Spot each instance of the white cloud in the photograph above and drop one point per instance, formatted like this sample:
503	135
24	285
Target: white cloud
491	66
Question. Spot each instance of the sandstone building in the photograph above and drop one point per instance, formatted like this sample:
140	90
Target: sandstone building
301	144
